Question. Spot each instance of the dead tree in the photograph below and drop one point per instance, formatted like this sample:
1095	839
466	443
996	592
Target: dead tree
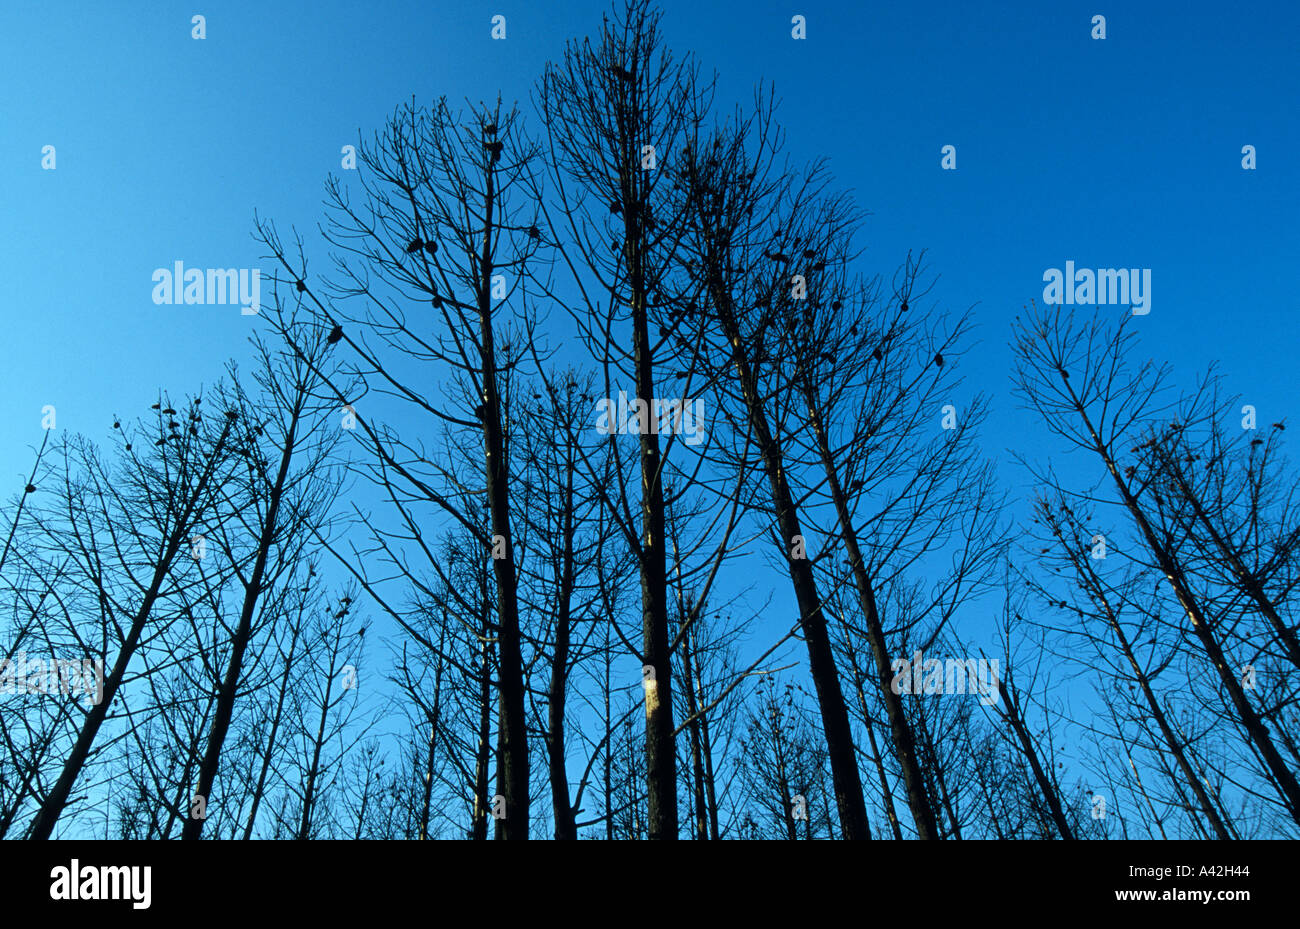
722	193
1077	377
282	507
563	478
326	726
1111	621
615	109
784	765
146	511
839	404
448	229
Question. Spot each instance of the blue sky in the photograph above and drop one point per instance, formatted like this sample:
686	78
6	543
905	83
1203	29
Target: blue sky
1117	153
1122	152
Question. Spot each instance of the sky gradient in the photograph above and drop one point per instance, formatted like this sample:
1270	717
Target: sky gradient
1119	153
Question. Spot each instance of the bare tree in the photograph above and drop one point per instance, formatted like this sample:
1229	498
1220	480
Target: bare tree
1078	378
145	512
448	227
282	507
785	765
603	105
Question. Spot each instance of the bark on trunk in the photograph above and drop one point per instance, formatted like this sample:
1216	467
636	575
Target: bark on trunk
660	744
513	771
901	731
193	827
821	659
1283	778
43	824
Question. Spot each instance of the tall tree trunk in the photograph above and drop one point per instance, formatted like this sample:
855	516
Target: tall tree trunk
1045	786
270	739
513	772
609	733
1283	778
710	784
229	688
660	745
434	721
821	659
783	788
565	823
478	828
182	805
887	795
697	748
904	740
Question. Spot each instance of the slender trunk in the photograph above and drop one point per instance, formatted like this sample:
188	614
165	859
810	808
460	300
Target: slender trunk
513	772
998	831
427	801
887	795
1151	807
697	748
710	785
608	760
1283	778
918	802
783	790
661	752
944	794
434	719
1176	747
821	659
243	632
270	739
57	798
478	829
660	745
318	744
184	798
43	824
1045	786
565	823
